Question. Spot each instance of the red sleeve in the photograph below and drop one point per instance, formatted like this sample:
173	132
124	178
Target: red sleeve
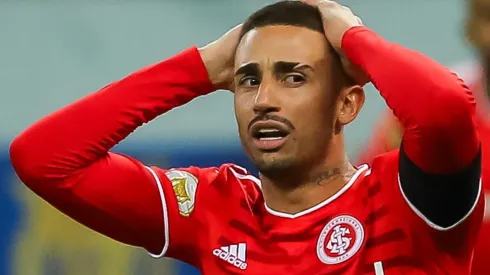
434	106
439	162
65	158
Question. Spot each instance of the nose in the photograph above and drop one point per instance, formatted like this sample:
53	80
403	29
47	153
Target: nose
266	99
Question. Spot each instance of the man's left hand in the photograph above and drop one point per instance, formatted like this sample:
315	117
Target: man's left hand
337	20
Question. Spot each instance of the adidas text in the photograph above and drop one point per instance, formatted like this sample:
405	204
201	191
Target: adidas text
227	257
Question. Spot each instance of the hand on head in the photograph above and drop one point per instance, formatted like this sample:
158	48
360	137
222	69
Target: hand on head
337	20
219	55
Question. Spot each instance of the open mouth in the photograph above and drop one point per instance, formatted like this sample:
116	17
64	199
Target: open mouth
269	135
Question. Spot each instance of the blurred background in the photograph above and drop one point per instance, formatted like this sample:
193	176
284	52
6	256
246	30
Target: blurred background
54	52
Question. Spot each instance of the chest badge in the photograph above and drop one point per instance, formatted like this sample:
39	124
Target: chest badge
340	239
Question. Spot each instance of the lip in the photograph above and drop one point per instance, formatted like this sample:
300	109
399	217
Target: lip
269	144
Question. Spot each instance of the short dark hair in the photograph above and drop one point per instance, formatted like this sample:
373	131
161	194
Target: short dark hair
288	13
293	13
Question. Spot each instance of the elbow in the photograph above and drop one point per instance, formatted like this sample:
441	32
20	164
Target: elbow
447	132
451	112
25	160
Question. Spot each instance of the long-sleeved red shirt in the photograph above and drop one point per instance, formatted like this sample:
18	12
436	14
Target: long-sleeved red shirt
65	158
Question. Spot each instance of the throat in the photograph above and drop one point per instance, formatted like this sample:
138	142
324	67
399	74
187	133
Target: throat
308	193
328	176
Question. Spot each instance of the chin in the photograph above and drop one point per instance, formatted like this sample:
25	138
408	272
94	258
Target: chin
273	163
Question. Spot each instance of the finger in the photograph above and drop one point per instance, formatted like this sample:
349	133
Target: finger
328	3
237	28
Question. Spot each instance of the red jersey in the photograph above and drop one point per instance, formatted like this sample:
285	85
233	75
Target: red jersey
216	218
388	136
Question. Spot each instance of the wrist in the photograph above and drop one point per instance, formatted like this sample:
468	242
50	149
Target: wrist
211	62
218	70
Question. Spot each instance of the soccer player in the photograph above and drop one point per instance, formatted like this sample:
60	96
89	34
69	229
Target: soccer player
291	66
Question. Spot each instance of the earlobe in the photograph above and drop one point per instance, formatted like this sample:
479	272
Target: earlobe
352	100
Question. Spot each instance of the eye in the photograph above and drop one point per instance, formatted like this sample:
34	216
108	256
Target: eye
294	79
249	81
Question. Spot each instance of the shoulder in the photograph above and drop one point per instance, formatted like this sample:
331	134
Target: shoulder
385	164
225	179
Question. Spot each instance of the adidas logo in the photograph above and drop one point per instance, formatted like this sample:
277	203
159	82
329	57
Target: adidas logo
233	254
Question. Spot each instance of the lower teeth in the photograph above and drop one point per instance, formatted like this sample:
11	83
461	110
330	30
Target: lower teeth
271	138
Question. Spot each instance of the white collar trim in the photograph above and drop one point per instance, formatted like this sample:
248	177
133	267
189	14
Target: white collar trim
346	187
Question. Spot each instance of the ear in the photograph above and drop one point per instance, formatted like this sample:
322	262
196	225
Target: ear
350	102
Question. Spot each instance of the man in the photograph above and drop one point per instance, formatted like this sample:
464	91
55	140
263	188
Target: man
291	66
389	131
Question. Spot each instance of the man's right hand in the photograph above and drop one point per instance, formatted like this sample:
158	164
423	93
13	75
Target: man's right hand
219	58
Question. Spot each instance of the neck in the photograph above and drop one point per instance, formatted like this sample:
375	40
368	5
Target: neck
295	191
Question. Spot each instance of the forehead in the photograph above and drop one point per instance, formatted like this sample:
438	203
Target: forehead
282	43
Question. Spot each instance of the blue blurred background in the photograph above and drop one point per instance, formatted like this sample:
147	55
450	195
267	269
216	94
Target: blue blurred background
54	52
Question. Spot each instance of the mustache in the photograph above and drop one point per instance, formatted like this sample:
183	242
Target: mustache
265	117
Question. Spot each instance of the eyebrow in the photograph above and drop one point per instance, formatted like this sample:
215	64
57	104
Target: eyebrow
248	69
280	67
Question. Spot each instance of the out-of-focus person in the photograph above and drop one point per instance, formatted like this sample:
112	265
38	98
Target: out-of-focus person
478	33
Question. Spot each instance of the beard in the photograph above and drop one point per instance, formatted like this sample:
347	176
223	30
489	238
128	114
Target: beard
286	170
292	164
270	166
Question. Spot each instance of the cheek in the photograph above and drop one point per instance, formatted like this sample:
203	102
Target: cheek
316	106
316	118
243	111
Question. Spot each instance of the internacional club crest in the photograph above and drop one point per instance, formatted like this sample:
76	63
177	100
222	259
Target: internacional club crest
339	240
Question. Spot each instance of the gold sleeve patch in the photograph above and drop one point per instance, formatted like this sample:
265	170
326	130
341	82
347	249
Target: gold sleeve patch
184	185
